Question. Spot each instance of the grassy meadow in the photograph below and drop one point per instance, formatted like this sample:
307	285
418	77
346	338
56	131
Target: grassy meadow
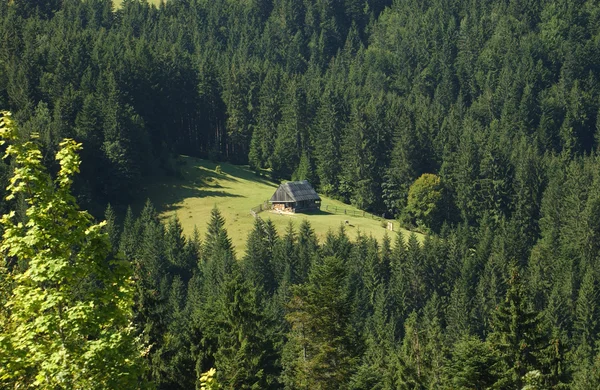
235	191
117	3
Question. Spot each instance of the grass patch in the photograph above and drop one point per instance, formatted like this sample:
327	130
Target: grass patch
117	3
235	190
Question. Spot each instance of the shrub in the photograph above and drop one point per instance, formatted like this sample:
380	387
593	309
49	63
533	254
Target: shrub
424	202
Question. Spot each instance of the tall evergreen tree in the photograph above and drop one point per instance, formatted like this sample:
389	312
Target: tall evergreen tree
321	349
518	336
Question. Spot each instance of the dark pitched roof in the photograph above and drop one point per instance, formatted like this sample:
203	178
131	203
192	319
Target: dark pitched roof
295	191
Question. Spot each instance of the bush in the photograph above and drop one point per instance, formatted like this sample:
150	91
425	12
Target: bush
424	202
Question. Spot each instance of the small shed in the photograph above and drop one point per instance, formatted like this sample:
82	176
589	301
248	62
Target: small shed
295	196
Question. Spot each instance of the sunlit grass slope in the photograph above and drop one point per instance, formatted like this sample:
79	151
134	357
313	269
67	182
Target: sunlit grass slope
117	3
235	191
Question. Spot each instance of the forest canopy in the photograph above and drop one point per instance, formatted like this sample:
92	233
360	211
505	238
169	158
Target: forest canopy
477	120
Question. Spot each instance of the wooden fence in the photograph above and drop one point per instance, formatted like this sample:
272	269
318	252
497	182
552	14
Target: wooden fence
328	208
260	208
351	212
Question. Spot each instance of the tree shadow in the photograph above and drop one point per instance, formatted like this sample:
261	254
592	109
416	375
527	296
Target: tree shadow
258	177
199	178
168	196
202	176
199	168
314	212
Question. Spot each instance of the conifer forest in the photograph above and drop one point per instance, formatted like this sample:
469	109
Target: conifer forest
473	122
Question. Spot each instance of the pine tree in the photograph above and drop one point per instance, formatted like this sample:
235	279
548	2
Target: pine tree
377	369
433	346
181	262
245	357
308	248
518	337
411	350
403	168
174	362
398	285
258	262
151	300
285	261
330	122
359	178
129	241
321	350
586	317
585	331
305	170
268	117
217	264
112	228
472	364
216	240
292	136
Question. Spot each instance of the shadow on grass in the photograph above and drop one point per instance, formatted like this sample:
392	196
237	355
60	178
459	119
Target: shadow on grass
206	176
168	197
198	168
250	175
314	212
200	179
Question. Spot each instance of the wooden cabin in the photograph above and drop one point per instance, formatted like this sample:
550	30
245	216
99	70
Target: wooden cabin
295	196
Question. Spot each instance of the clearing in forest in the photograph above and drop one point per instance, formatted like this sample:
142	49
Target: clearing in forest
117	3
235	190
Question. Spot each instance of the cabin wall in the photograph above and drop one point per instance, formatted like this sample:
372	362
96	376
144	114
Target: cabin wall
308	205
281	196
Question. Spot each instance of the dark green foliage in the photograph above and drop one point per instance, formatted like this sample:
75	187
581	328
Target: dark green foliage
518	337
112	229
308	248
321	348
285	263
498	100
258	262
424	203
359	98
292	136
245	357
471	365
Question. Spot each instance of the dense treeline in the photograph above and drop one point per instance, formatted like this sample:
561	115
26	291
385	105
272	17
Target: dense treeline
194	77
498	99
461	310
359	97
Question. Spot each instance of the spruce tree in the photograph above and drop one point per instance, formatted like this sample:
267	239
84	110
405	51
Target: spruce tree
321	349
518	336
181	262
112	228
217	264
330	122
376	370
472	364
258	262
268	117
308	248
128	243
245	357
285	261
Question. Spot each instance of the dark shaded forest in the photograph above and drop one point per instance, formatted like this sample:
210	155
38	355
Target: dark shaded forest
498	99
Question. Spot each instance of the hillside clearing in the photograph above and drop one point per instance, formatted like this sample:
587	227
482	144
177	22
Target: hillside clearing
235	191
117	3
